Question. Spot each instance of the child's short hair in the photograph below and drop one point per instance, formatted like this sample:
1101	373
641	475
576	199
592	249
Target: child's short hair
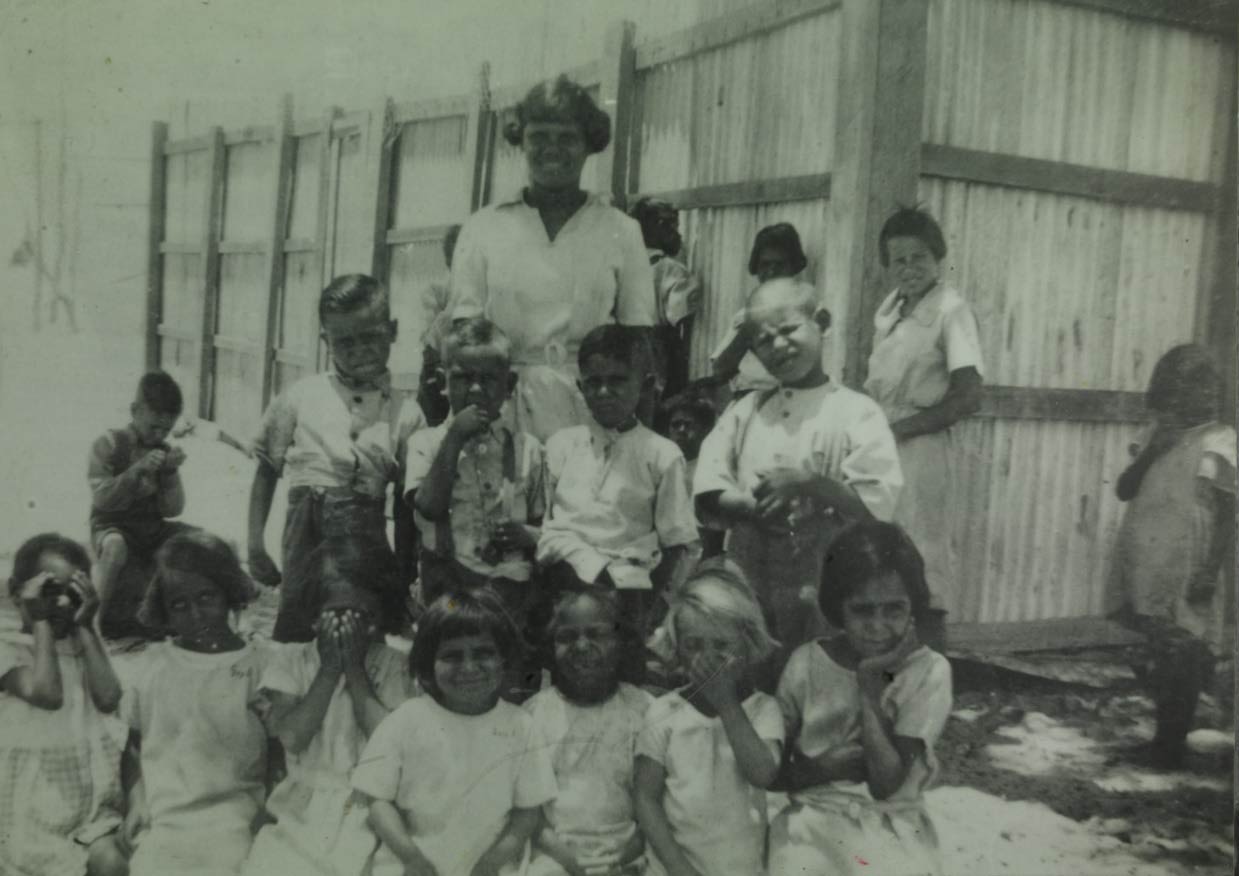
453	616
350	293
1186	385
911	222
806	294
199	552
865	551
718	589
561	100
695	405
657	219
476	333
783	237
621	343
160	393
26	560
449	243
369	566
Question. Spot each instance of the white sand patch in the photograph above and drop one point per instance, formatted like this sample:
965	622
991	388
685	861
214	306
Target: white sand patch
1040	745
967	715
1121	779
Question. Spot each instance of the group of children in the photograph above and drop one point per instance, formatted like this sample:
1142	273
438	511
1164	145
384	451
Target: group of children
792	663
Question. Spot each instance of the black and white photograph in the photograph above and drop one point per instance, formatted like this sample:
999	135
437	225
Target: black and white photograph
618	437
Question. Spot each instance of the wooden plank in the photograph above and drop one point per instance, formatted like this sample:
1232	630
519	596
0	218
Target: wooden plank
477	127
892	174
237	345
1210	16
300	244
248	247
188	144
435	108
1035	174
616	97
175	333
285	158
175	247
343	123
1079	405
1216	311
326	176
397	236
292	357
156	218
764	191
307	127
211	227
249	134
1056	634
384	133
744	23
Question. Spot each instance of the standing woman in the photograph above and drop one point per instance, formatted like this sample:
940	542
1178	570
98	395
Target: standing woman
925	371
554	261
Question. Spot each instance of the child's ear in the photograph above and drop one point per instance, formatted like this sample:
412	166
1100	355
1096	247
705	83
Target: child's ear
821	316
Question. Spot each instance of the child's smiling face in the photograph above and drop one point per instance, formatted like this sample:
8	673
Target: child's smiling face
468	672
912	265
876	615
478	377
360	341
586	651
197	609
612	390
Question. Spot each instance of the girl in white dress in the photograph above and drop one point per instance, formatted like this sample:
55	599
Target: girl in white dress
863	712
709	750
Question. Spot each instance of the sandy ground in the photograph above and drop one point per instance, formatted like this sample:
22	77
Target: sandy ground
1031	782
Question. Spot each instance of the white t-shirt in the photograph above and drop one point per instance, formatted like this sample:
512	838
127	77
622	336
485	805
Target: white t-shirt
455	778
716	816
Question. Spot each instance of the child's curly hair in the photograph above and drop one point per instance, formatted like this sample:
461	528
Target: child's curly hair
26	561
199	552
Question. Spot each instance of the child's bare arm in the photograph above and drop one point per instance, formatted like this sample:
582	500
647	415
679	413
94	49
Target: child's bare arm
368	711
510	845
262	491
555	848
388	824
40	683
729	506
757	758
101	679
962	399
1221	557
171	495
650	783
888	757
727	362
844	763
664	572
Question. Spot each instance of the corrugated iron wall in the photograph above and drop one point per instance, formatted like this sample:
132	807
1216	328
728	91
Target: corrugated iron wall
1070	292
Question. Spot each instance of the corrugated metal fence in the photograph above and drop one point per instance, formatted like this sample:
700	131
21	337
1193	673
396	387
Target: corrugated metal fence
1076	153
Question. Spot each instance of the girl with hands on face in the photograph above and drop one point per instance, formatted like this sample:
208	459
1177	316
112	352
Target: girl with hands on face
863	709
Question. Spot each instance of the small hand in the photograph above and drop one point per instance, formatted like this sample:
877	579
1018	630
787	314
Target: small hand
786	483
85	615
717	679
327	641
470	422
262	567
31	595
175	457
153	461
872	671
512	536
352	642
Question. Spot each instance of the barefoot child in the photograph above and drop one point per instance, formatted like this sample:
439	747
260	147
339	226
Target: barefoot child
709	750
189	708
326	698
591	720
863	712
455	780
135	486
1175	557
340	437
60	799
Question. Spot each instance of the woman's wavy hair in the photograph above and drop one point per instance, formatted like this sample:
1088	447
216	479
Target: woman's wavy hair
561	100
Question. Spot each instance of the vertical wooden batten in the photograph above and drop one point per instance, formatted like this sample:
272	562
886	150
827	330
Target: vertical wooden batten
156	224
212	228
285	155
479	127
618	80
385	134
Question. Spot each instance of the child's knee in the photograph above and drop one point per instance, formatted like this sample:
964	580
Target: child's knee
105	858
113	551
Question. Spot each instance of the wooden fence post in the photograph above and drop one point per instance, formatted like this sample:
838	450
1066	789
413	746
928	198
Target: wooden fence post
885	56
386	134
479	141
155	234
285	154
618	78
212	226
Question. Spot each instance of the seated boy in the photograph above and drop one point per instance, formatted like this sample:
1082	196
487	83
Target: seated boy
340	436
135	486
474	484
785	468
618	507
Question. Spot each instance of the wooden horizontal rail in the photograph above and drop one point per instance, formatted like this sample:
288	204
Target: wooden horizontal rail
238	345
416	235
764	191
301	244
1036	174
228	247
1211	16
1055	634
306	127
288	357
176	333
188	144
1079	405
348	123
404	381
175	247
726	29
437	108
250	134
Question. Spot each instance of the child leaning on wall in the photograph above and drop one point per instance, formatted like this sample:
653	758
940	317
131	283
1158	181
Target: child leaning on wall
340	438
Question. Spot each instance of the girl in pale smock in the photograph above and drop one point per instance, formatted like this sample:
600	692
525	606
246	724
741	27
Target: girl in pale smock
863	712
553	262
709	750
925	371
1175	557
326	698
591	720
190	709
60	793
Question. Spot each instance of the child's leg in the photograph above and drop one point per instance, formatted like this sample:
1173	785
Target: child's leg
298	609
113	554
105	858
1180	672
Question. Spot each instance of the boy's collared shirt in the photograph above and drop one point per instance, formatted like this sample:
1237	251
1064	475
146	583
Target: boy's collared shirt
828	430
322	433
482	497
614	501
